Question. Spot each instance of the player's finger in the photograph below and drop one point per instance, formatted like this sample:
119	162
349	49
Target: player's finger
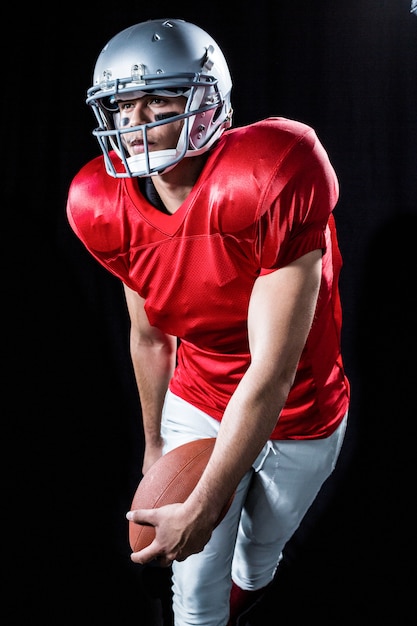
150	553
145	517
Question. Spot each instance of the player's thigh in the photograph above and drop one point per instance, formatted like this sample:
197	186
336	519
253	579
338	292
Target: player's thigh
286	485
281	492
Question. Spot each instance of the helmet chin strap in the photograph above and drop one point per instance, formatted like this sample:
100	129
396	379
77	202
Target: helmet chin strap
142	164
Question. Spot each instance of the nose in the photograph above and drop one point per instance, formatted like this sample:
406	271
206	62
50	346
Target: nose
138	115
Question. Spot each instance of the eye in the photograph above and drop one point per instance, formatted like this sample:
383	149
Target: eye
157	101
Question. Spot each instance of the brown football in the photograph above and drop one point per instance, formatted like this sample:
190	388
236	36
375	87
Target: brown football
171	479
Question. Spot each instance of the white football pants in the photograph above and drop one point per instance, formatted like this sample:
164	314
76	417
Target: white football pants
269	505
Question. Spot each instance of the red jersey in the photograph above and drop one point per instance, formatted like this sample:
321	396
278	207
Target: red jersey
264	198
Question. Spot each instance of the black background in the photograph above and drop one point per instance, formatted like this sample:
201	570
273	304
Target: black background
347	68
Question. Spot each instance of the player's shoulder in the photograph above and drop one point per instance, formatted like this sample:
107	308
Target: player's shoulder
89	172
272	142
276	140
273	130
90	183
93	194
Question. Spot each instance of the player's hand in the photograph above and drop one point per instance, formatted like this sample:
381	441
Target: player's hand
177	534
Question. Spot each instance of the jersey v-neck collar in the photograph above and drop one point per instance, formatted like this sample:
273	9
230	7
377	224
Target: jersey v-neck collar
165	222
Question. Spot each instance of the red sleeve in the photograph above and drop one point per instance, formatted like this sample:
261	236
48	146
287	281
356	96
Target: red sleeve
295	219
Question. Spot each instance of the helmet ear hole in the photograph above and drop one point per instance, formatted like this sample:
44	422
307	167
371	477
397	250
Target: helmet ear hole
109	104
202	129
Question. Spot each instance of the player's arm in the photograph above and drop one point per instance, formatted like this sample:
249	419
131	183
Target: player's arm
153	356
281	312
280	315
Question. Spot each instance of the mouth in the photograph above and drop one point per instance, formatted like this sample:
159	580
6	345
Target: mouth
136	146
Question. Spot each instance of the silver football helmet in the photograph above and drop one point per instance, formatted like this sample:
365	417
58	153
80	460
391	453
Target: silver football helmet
165	57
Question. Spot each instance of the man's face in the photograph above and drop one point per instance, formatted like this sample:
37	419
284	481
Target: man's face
146	109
